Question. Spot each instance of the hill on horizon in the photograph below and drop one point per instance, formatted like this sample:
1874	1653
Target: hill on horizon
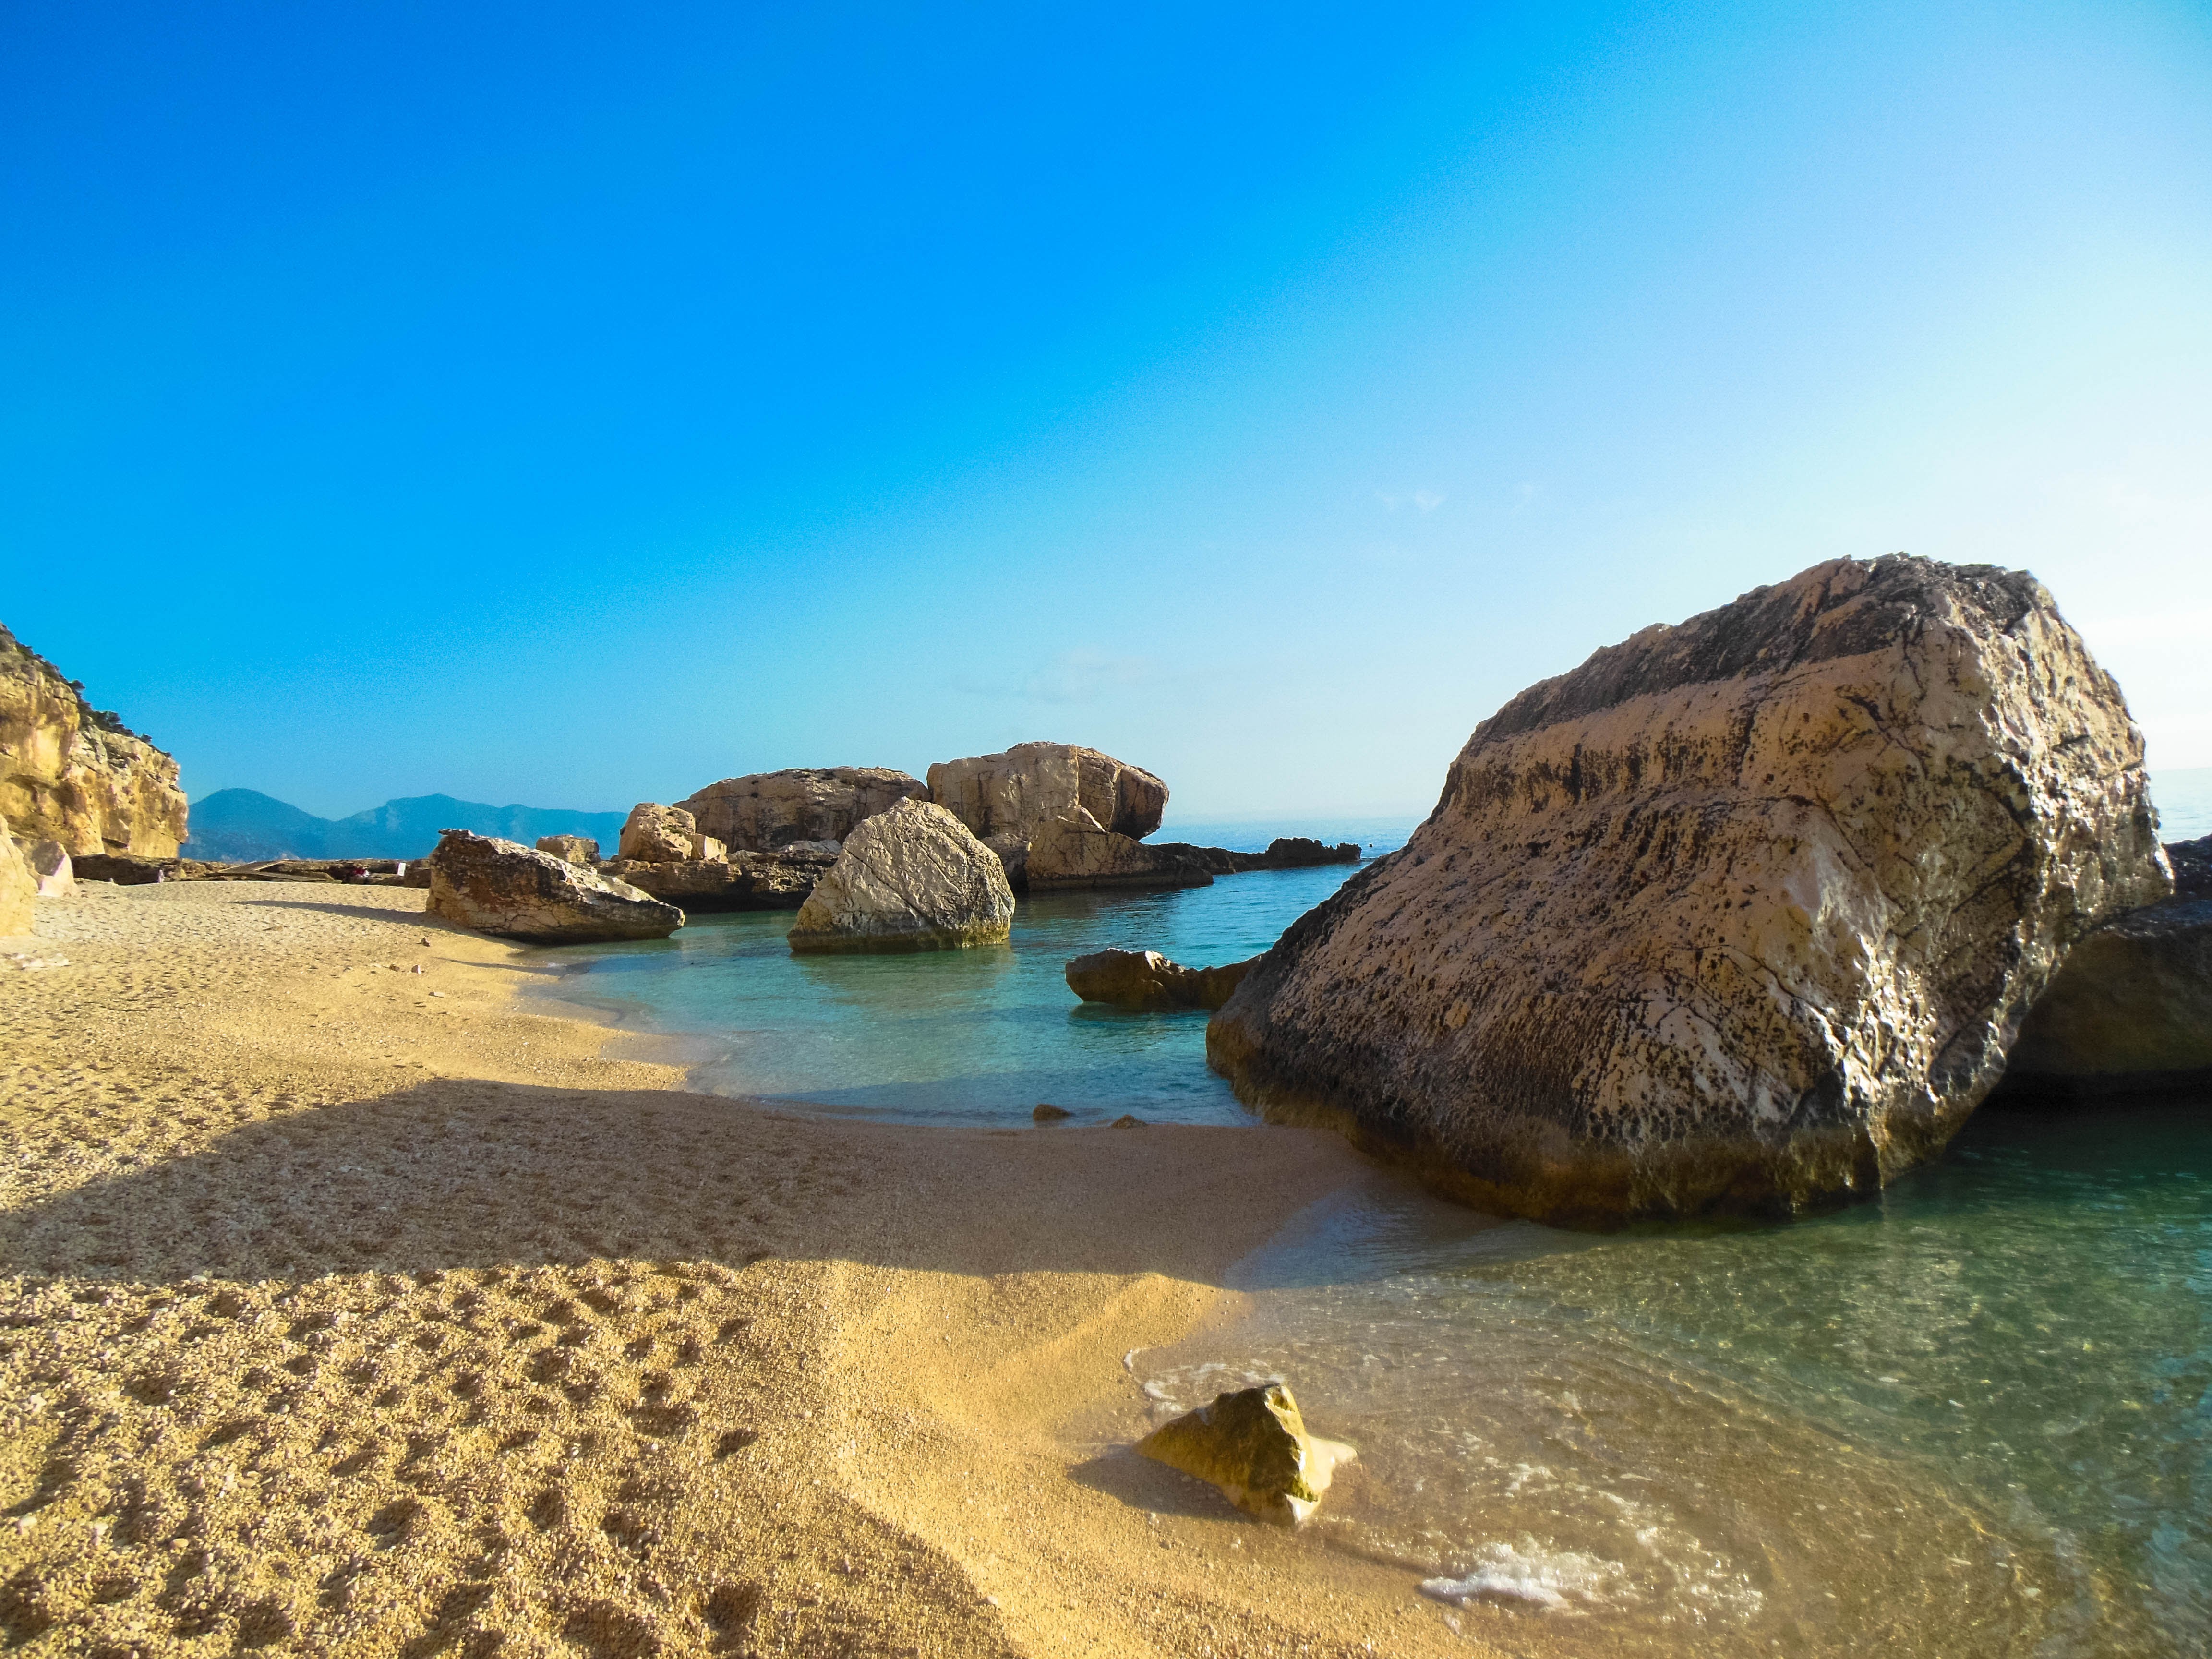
236	826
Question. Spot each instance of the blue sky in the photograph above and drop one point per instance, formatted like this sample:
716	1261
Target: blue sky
538	404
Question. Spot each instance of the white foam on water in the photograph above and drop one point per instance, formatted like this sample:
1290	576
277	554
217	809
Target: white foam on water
1552	1580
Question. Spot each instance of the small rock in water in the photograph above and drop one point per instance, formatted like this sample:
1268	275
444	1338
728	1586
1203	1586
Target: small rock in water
1046	1113
1125	1121
1253	1445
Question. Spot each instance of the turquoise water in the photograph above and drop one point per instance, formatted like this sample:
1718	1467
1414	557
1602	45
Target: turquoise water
1972	1418
972	1037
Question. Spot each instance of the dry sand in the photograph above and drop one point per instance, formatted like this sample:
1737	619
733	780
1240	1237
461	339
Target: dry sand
352	1310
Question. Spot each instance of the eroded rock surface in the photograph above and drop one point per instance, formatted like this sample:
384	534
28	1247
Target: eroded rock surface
654	834
19	887
575	849
51	871
73	774
1012	794
1146	980
2131	1010
911	879
768	811
740	881
1740	915
1073	849
503	887
1253	1445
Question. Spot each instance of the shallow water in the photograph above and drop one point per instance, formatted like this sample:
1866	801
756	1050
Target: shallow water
979	1035
1975	1417
1972	1418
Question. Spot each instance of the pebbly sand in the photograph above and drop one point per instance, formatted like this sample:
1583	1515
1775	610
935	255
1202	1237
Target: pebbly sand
350	1309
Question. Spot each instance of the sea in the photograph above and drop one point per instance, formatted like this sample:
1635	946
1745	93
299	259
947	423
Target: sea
1972	1418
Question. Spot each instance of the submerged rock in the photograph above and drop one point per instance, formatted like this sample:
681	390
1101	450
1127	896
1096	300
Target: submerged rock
1253	1445
767	812
19	887
911	879
576	849
1012	793
494	886
1740	915
1146	980
1072	849
653	834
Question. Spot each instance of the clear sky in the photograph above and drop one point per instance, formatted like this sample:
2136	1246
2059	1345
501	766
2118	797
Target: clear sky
574	405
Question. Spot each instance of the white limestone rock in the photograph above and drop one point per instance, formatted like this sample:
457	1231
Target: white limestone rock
911	879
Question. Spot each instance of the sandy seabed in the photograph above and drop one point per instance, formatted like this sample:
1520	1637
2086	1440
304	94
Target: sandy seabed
348	1305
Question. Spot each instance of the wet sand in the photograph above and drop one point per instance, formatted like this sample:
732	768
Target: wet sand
348	1308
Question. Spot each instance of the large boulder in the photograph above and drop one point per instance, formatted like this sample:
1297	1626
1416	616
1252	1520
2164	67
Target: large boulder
1146	980
19	887
1740	915
2131	1010
912	878
653	834
503	887
1012	794
771	810
74	774
1073	849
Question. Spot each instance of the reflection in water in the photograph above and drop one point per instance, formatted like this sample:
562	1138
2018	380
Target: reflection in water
1975	1418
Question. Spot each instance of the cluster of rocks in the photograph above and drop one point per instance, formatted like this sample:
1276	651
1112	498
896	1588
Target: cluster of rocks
1145	980
1051	816
1741	916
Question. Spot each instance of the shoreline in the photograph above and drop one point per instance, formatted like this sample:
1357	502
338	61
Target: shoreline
349	1308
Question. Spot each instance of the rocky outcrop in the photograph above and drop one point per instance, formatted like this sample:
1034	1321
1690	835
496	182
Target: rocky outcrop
50	870
769	810
19	887
575	849
1740	915
1146	980
1011	795
74	774
911	879
1072	849
742	881
2131	1010
494	886
653	834
1253	1445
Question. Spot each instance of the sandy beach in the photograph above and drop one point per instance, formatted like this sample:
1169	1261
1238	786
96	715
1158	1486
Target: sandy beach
353	1305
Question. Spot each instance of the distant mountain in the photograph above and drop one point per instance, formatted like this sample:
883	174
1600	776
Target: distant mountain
236	826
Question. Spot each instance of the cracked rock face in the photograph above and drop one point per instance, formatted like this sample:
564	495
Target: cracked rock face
1011	795
912	878
18	886
1740	915
494	886
768	811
